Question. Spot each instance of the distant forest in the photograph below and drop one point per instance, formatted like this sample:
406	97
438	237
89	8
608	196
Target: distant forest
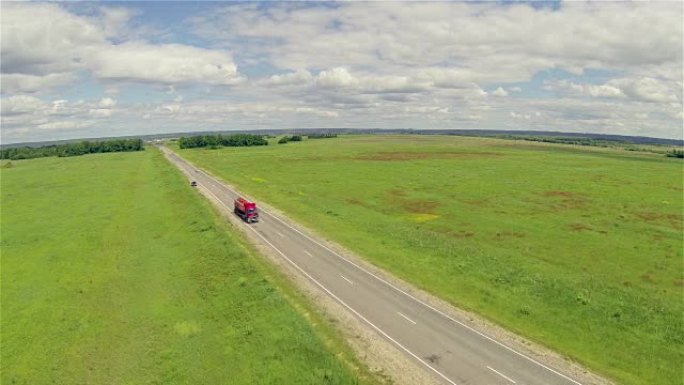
215	141
597	142
73	149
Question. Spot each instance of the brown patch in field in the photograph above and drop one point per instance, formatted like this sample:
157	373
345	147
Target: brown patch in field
396	192
647	277
579	227
404	156
354	201
649	216
513	234
476	202
678	282
674	220
454	233
420	206
320	158
560	194
460	234
567	199
397	197
385	156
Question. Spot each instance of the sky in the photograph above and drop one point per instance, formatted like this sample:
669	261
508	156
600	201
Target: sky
100	69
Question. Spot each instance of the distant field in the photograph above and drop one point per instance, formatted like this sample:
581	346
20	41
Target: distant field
114	271
579	248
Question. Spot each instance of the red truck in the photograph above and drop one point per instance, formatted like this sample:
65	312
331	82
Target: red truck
246	210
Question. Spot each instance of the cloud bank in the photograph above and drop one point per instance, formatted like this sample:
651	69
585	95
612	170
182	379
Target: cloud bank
605	67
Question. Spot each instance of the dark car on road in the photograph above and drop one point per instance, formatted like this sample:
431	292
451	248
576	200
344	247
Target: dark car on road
193	184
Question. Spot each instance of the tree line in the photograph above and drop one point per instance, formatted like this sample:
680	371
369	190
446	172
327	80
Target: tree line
293	138
321	136
579	141
73	149
583	141
675	154
215	141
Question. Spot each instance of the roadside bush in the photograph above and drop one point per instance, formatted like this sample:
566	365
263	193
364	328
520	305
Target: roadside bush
293	138
675	154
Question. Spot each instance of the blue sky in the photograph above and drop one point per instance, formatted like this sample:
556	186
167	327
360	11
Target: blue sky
73	70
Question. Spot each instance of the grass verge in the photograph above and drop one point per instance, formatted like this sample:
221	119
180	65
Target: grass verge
115	272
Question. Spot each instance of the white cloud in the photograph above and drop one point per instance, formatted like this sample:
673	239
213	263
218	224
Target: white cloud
100	112
115	20
58	106
107	103
593	90
170	63
396	84
644	89
103	108
410	64
482	40
500	92
64	125
42	38
15	83
516	115
168	108
650	89
301	77
43	44
21	104
336	78
24	115
340	79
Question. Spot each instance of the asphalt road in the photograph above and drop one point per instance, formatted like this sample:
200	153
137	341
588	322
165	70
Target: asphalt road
452	351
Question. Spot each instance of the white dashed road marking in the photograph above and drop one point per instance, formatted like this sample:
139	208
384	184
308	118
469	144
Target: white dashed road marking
499	373
407	318
346	279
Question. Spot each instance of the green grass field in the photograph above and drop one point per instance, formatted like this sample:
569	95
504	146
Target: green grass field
115	271
577	248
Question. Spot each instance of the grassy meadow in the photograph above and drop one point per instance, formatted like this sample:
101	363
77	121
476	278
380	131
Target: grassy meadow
115	271
578	248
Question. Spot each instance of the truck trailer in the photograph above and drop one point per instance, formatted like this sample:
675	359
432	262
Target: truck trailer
246	210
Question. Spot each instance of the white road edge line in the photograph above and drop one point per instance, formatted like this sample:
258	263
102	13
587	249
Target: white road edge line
339	300
399	290
429	306
407	318
495	371
347	279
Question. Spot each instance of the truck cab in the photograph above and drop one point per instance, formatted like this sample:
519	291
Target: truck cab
246	210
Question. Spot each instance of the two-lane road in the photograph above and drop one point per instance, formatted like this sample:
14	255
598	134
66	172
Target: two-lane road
452	351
